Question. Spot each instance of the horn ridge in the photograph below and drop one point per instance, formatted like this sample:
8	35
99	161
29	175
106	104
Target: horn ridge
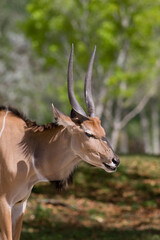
87	89
73	101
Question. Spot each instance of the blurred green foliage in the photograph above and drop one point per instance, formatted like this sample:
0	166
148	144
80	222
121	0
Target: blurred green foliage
112	25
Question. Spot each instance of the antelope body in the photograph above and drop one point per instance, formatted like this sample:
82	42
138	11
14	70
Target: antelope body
30	153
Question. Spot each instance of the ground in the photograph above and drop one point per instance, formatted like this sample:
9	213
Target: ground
99	206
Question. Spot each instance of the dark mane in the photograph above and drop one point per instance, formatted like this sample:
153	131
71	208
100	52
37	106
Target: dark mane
14	111
30	124
63	184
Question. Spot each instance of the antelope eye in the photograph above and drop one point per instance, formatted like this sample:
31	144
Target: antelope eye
90	135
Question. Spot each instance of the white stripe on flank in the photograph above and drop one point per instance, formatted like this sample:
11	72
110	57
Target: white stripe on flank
4	121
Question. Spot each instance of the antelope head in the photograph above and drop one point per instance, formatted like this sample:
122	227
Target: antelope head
88	138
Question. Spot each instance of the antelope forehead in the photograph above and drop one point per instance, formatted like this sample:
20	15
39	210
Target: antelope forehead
95	131
87	129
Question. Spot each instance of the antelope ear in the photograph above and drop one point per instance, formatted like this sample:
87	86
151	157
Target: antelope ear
61	118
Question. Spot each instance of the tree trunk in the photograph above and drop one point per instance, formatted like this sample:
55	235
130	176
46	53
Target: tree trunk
123	142
116	124
114	138
145	133
155	130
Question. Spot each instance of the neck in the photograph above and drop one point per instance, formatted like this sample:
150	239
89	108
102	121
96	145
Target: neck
52	156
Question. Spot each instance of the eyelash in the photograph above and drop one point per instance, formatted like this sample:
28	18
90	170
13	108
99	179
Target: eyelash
90	135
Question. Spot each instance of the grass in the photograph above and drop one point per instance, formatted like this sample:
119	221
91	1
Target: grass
99	206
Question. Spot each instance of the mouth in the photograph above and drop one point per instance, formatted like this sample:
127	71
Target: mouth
109	168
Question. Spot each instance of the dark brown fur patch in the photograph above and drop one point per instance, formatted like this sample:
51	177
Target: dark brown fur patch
60	184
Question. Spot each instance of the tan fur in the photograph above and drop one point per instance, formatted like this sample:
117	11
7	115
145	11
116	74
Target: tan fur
29	154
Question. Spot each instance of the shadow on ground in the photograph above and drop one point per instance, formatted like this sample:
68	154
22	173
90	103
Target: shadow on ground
73	232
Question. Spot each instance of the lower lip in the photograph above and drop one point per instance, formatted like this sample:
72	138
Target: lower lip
110	169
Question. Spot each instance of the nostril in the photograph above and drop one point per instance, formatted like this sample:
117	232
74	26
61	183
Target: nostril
116	161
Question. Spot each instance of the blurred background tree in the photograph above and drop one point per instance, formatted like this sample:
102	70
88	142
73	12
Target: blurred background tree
36	47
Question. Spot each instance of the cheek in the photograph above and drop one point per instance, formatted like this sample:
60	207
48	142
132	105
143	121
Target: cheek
87	147
98	147
93	146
